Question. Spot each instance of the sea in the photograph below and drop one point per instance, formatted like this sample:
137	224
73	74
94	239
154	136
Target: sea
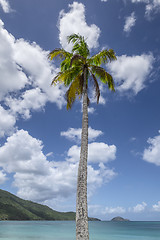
65	230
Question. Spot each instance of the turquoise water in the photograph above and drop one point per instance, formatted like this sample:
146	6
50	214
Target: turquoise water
65	230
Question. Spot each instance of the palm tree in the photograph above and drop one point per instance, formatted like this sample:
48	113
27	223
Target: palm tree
77	68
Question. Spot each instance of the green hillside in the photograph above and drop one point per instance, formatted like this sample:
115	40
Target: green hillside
15	208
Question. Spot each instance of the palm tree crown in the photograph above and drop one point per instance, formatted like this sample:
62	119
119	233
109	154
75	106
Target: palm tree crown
75	63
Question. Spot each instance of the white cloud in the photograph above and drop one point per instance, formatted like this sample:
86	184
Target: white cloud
98	210
74	134
111	210
3	177
7	122
98	152
35	177
152	153
132	139
91	110
49	154
138	1
102	175
33	99
130	72
139	207
74	22
40	70
12	76
95	210
151	6
40	187
97	177
130	22
156	207
5	6
103	211
39	179
21	152
25	85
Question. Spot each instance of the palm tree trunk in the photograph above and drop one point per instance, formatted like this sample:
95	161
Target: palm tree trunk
81	205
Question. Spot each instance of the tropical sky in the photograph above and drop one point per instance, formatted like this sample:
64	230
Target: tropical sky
40	139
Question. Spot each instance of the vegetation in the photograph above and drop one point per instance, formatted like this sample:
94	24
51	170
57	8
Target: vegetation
15	208
119	219
77	68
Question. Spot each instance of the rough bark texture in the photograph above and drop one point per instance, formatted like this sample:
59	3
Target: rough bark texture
81	206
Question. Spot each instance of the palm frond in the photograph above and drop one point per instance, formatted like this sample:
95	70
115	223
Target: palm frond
65	64
59	52
77	59
67	76
79	45
104	76
103	56
74	38
75	89
96	87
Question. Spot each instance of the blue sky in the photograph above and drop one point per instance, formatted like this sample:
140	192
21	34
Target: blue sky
40	139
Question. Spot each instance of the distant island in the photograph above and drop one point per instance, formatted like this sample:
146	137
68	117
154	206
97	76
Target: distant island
15	208
119	219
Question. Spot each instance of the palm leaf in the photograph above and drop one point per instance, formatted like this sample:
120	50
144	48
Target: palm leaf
65	64
102	57
104	76
75	89
79	45
66	77
59	52
96	86
77	59
74	37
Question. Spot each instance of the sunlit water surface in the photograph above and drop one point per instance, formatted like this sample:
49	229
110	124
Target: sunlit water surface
65	230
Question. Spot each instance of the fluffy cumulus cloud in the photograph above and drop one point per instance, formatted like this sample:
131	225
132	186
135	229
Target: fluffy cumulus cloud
40	71
74	134
97	177
22	153
5	6
139	207
98	210
98	152
131	72
3	177
103	211
151	6
152	153
129	22
74	22
39	179
115	210
24	104
12	76
156	207
23	80
7	122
